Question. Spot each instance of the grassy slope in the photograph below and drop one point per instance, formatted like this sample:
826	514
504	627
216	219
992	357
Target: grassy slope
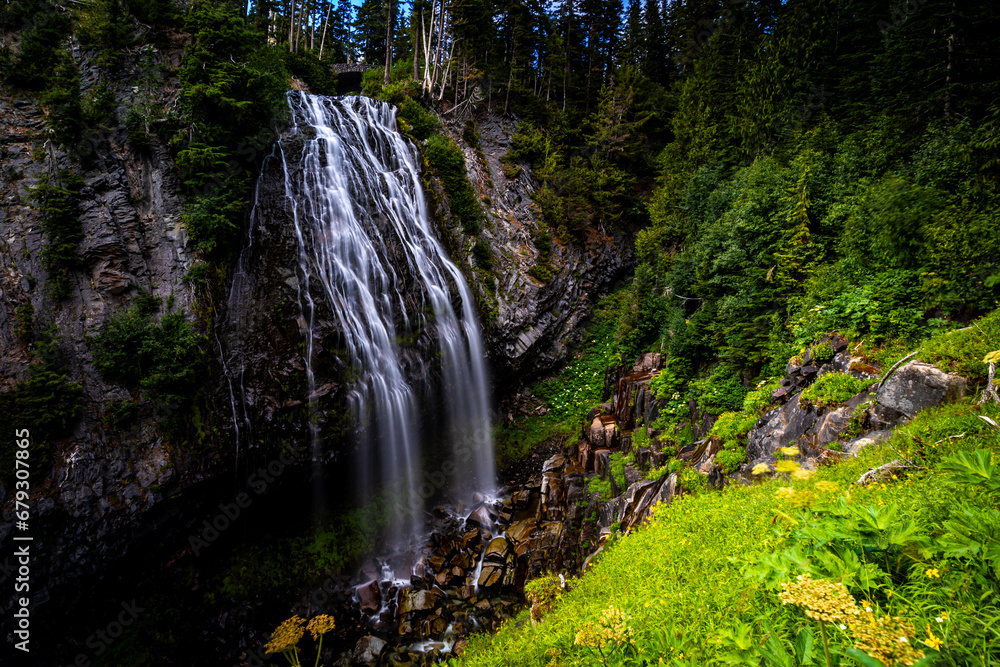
707	567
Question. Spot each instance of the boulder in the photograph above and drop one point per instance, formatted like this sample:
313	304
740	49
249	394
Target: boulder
367	650
917	386
479	517
413	600
369	597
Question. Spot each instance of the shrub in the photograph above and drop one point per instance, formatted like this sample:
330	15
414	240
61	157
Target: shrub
962	351
423	123
162	358
46	403
833	389
320	78
544	594
448	162
59	217
729	460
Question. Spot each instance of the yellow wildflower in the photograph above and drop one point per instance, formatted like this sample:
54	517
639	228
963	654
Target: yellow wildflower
931	640
822	600
886	639
933	573
320	625
761	469
827	486
790	451
802	474
787	467
286	636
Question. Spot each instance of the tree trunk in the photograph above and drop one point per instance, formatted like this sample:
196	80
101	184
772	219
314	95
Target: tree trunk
291	26
326	24
388	41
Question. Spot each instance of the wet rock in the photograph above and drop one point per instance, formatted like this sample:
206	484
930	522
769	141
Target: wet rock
368	650
521	531
413	601
917	386
480	517
491	575
369	597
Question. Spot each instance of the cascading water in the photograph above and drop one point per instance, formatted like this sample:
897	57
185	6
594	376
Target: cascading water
357	207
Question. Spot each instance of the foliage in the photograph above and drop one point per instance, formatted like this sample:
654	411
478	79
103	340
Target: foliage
422	122
46	403
919	549
544	594
833	389
446	159
43	30
163	357
57	202
962	351
315	73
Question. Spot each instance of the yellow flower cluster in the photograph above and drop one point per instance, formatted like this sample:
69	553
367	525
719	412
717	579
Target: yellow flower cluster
761	469
802	498
320	625
611	629
822	600
787	467
888	639
286	636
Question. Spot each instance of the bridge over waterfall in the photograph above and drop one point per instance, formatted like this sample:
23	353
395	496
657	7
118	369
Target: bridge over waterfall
349	76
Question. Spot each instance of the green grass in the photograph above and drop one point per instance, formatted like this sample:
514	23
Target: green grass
706	568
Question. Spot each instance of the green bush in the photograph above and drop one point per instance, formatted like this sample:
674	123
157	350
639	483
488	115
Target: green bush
164	358
46	403
57	202
423	123
729	460
528	143
320	78
46	27
963	351
448	163
833	389
719	392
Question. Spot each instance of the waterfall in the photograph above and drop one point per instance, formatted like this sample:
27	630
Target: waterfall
364	243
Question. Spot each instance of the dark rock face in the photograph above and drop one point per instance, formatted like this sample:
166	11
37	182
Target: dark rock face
104	481
536	323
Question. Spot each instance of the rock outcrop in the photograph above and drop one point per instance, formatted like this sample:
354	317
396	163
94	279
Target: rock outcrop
536	322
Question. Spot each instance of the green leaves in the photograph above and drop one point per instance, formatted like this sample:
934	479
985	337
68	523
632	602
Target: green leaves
973	468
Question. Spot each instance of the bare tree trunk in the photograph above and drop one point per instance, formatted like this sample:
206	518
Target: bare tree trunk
951	60
438	63
312	29
569	28
510	80
388	40
447	72
428	41
291	26
416	41
326	24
